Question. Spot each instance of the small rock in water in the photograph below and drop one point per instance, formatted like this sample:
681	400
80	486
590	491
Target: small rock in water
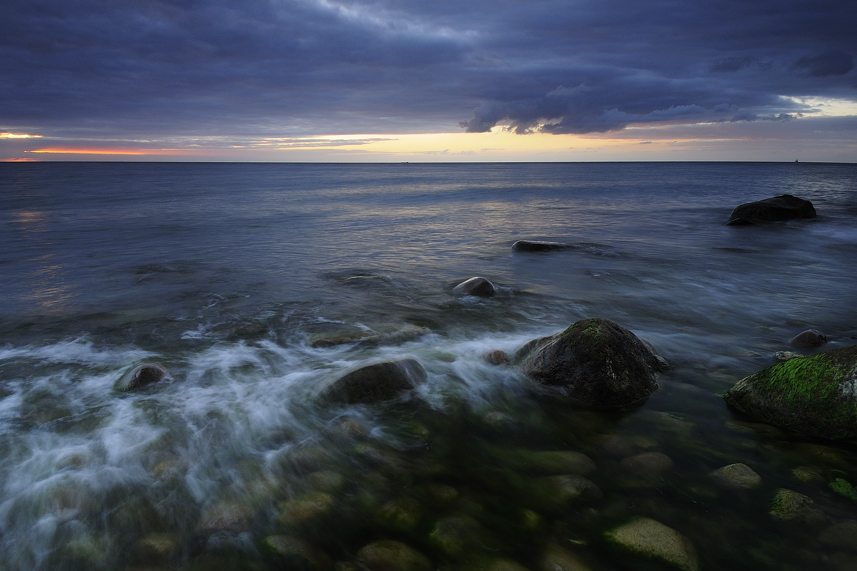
539	246
842	535
141	376
374	383
737	476
305	508
559	462
556	558
475	286
789	505
505	565
786	355
157	547
495	357
403	513
457	535
809	339
225	516
807	474
295	553
652	539
571	487
648	463
388	555
325	480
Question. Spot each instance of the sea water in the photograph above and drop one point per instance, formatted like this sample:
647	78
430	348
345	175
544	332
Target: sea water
252	284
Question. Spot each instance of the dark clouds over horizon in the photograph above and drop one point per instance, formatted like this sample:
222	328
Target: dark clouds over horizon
159	68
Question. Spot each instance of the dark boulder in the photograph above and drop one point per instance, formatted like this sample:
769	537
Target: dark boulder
476	286
815	395
595	362
809	339
140	376
539	246
374	383
776	209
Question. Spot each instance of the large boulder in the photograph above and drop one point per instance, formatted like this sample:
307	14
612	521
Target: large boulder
374	383
815	395
776	209
595	362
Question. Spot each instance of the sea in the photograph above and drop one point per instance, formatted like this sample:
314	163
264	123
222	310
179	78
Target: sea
253	284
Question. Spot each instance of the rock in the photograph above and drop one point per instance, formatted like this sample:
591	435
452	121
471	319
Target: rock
375	383
305	508
807	474
736	476
555	558
571	487
476	286
844	488
141	376
505	565
387	555
786	355
648	463
842	561
554	462
776	209
842	535
815	395
809	339
294	553
495	357
157	547
325	480
457	535
652	539
539	246
789	505
595	362
225	516
403	513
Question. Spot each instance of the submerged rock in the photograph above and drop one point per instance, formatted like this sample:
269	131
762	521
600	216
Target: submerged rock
457	535
815	395
789	505
539	246
736	476
141	376
388	555
652	539
775	209
809	339
375	383
842	535
295	553
476	286
595	362
648	463
556	558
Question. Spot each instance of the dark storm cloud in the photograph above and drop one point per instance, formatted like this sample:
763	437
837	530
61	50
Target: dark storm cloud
150	68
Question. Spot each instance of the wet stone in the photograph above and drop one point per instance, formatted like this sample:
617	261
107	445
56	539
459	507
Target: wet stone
561	462
141	376
441	493
618	446
157	546
809	339
325	480
225	516
305	508
791	506
475	286
842	535
388	555
736	476
556	558
295	553
807	474
651	539
648	463
456	535
402	513
495	357
571	487
505	565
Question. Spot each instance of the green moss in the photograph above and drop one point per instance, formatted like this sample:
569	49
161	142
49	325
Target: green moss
803	379
844	488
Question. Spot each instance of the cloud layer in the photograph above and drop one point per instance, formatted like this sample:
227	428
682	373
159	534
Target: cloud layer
293	68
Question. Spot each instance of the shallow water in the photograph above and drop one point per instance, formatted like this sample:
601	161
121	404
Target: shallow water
254	283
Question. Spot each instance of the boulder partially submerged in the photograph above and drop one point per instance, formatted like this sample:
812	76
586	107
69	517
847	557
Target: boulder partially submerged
142	375
815	395
775	209
595	362
475	286
539	246
374	383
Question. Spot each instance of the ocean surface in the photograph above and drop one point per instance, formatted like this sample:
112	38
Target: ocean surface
252	284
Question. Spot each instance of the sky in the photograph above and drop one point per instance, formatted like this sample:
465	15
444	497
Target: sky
439	80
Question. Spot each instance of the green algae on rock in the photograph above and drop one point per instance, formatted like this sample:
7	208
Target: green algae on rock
595	363
815	395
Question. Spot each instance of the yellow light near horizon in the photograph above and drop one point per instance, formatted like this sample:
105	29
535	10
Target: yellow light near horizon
127	152
19	136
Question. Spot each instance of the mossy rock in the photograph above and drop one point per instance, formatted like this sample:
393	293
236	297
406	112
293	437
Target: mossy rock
457	535
388	555
374	383
595	363
791	506
651	539
815	395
